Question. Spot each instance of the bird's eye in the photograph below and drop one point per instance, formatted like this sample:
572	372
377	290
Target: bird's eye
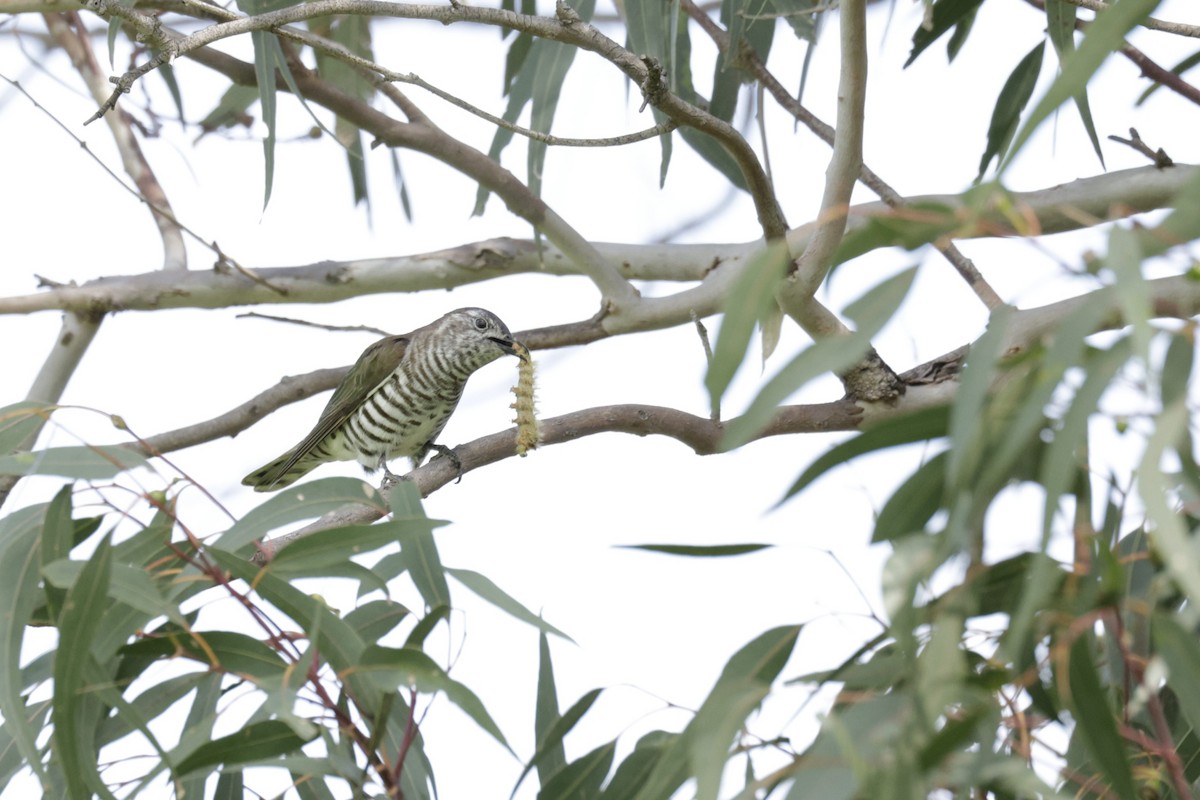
481	324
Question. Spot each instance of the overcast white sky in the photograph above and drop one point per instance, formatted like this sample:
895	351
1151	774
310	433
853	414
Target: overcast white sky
654	628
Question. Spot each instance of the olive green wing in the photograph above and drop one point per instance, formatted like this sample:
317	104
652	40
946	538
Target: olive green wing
373	367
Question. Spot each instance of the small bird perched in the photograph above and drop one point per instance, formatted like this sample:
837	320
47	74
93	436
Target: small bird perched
396	398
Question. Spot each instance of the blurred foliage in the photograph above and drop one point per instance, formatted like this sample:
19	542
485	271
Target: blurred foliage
1088	668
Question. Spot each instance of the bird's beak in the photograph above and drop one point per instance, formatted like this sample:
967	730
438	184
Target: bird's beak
512	347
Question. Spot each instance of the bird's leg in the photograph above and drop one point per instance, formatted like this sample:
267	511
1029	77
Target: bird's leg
449	453
390	478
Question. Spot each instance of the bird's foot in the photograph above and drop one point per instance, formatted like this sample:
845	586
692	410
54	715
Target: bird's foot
449	453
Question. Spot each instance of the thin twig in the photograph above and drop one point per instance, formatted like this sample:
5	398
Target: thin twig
320	325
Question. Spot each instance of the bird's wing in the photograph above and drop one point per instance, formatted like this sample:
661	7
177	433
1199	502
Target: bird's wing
373	367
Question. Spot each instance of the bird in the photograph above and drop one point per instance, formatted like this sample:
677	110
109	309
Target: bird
396	398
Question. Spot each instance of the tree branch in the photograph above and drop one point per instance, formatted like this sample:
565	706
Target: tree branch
1071	206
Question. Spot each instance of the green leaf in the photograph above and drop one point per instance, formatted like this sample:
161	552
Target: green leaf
231	108
539	83
268	57
920	426
632	773
20	532
256	741
582	778
705	146
1105	35
420	556
1059	468
1124	258
1181	652
297	503
910	226
91	462
914	502
19	423
551	756
647	23
82	615
551	729
946	15
699	550
127	584
1060	24
744	683
489	591
167	72
313	554
1094	715
1181	225
870	313
224	651
518	51
337	641
392	668
749	299
801	15
376	619
1013	98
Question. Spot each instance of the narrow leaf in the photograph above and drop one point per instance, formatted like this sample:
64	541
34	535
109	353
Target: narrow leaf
699	550
489	591
83	611
749	298
95	462
920	426
1091	709
1103	36
297	503
1013	98
256	741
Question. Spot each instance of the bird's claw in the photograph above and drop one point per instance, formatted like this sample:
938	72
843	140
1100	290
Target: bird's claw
449	453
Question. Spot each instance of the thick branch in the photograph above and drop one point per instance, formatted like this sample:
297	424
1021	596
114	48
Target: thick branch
1072	206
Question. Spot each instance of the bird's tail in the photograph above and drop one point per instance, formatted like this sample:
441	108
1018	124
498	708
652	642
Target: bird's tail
283	471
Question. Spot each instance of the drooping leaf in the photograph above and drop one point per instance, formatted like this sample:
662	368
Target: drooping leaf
581	779
328	548
83	611
374	620
752	294
946	15
632	773
648	23
19	422
91	462
920	426
1014	96
551	728
392	667
296	503
485	588
914	502
910	226
551	755
1103	36
223	651
1096	724
870	313
19	534
539	82
256	741
705	146
1060	23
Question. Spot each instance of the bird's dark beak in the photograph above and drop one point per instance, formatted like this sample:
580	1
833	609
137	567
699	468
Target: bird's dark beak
512	347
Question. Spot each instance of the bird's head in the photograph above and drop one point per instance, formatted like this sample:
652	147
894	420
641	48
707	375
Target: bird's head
483	333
